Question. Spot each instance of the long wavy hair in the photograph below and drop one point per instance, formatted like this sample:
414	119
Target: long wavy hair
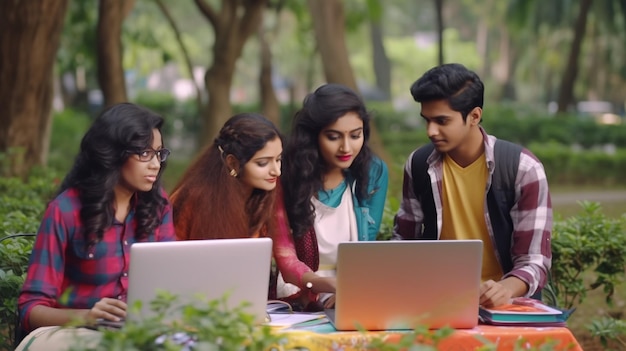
303	165
107	145
208	202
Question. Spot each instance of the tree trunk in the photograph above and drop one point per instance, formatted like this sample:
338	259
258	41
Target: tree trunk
269	102
328	25
382	65
29	39
236	21
505	66
439	13
482	47
111	15
566	92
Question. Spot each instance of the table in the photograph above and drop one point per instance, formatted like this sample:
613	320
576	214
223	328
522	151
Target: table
495	337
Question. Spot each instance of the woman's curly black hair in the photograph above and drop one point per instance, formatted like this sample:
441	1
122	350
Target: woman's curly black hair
116	133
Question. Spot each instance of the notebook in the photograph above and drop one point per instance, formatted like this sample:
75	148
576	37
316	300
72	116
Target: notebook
237	268
383	285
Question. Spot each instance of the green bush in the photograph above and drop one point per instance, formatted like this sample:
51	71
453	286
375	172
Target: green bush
14	254
22	204
182	118
68	128
609	331
587	243
564	165
207	325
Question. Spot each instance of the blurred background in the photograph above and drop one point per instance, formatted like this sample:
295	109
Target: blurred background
554	73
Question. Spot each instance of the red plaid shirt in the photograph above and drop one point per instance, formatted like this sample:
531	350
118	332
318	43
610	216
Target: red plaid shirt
64	273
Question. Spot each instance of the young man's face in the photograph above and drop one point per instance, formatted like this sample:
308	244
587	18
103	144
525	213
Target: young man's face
446	128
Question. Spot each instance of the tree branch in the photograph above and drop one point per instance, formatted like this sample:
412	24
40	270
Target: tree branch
183	48
207	11
252	16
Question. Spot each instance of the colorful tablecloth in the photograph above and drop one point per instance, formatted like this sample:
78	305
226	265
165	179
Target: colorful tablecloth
483	337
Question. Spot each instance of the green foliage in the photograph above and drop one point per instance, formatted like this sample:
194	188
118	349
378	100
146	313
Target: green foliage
181	118
564	165
21	206
609	330
22	202
207	325
386	227
587	243
14	254
68	128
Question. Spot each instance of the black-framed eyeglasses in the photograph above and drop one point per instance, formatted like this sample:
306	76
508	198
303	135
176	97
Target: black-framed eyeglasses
148	154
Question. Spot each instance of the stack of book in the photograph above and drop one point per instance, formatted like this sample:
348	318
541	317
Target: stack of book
523	312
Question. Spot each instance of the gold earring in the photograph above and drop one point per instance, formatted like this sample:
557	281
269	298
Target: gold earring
233	173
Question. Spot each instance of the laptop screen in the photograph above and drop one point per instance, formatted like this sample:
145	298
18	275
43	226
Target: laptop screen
202	270
402	284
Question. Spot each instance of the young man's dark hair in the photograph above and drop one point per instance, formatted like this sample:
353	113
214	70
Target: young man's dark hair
466	184
461	87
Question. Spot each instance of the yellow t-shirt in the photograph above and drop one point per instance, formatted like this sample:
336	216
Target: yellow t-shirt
464	212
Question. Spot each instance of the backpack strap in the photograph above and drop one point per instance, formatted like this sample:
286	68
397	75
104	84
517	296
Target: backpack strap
423	190
501	198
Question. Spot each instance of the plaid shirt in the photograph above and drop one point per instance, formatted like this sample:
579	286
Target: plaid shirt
531	215
63	273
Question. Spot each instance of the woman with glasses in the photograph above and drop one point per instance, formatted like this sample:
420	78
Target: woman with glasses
111	198
228	191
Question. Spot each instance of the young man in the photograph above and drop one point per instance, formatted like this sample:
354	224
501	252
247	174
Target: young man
452	192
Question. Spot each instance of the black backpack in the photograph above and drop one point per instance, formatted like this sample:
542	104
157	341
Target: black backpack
500	198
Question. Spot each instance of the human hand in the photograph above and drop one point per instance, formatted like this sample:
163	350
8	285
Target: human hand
330	302
493	294
109	309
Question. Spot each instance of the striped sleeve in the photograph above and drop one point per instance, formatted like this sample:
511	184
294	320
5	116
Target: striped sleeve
532	222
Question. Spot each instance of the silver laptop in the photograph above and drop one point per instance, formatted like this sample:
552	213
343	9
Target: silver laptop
201	270
383	285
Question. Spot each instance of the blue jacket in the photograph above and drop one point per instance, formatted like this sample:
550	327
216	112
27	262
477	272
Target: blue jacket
369	213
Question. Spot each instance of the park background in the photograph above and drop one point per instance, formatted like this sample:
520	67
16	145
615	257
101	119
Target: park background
555	82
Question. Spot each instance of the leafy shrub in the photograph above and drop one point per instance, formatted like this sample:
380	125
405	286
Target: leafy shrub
181	117
609	331
14	254
587	243
68	128
21	207
205	325
565	165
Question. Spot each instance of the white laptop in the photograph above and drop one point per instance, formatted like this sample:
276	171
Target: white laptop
383	285
212	269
